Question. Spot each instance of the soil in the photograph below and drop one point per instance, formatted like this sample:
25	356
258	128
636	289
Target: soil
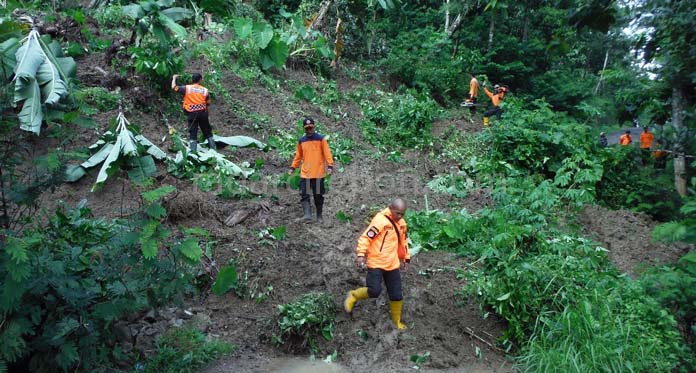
627	237
313	257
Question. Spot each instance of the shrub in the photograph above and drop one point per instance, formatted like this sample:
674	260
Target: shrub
66	281
396	121
184	350
302	320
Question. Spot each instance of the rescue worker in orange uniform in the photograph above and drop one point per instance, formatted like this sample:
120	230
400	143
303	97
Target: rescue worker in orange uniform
383	248
660	157
646	140
314	154
496	97
625	139
196	103
472	97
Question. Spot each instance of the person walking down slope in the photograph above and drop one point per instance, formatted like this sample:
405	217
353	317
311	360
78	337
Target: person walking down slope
383	248
496	97
625	139
472	96
314	154
646	140
196	103
603	141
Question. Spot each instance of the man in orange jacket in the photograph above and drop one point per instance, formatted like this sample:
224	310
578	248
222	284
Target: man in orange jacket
383	248
496	97
625	139
196	103
314	154
472	97
646	140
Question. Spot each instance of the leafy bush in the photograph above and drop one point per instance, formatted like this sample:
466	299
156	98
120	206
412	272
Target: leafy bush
302	320
396	121
96	99
66	281
185	349
675	288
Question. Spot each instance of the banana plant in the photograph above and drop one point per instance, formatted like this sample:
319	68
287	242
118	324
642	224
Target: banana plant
41	77
120	148
187	163
158	18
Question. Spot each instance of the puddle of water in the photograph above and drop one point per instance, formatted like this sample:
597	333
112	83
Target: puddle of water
289	365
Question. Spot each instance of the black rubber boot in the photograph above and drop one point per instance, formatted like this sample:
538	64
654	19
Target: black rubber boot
307	211
211	143
193	144
320	210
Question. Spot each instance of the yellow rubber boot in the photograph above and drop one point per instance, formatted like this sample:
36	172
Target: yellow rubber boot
485	121
353	297
395	307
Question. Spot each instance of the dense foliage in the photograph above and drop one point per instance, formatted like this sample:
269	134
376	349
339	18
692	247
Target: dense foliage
67	281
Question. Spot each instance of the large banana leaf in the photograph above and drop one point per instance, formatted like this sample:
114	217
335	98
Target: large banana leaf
40	78
240	141
8	61
223	164
151	148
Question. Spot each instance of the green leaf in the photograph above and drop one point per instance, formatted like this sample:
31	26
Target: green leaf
98	157
74	172
156	211
240	141
275	54
174	27
177	14
243	27
262	33
155	195
68	355
134	11
226	280
190	249
110	159
342	216
152	149
142	168
8	61
278	233
503	297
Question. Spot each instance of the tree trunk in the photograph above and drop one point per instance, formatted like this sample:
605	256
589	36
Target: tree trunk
319	21
447	16
601	75
455	25
491	29
679	158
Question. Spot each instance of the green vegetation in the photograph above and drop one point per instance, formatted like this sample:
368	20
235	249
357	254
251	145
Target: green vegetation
303	320
185	349
66	281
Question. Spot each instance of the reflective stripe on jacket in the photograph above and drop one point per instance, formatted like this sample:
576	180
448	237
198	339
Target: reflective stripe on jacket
195	98
314	154
379	243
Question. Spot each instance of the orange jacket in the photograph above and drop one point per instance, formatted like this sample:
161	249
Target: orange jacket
379	243
473	87
646	139
625	139
314	153
196	97
495	98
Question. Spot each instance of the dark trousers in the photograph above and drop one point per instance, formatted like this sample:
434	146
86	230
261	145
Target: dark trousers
317	188
472	109
391	278
497	111
196	119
